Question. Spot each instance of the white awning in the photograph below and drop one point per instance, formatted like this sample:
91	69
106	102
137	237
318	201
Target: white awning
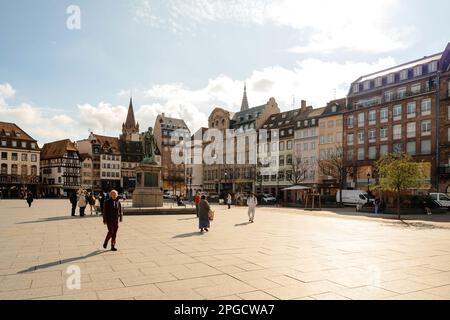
296	188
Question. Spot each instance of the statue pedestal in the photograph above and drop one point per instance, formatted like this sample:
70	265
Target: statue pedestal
147	193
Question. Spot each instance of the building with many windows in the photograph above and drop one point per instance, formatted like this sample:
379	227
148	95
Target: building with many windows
19	161
106	161
394	110
169	132
60	168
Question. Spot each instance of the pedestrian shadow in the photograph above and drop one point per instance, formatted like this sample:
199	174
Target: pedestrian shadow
58	262
188	235
59	219
185	219
242	224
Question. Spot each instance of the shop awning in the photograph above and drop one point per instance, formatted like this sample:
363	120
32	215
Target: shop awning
296	188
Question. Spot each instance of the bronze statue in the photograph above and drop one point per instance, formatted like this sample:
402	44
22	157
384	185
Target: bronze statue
149	147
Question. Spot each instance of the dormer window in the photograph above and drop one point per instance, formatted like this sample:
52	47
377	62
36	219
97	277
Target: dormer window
390	78
313	122
418	71
403	75
356	88
333	109
366	85
378	82
432	66
306	123
284	115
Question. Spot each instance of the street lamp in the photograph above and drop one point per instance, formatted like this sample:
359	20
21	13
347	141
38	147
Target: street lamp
368	182
190	187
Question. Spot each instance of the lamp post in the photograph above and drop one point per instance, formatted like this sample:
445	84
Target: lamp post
368	182
190	187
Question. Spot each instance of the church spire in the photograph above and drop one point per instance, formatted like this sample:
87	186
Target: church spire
130	122
244	104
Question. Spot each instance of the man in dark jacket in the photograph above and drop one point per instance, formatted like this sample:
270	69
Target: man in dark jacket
73	202
112	213
29	198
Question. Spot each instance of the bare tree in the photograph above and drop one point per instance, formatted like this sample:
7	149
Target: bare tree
334	165
299	171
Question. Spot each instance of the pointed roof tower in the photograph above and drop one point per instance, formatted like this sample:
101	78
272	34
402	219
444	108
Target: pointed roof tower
244	104
130	122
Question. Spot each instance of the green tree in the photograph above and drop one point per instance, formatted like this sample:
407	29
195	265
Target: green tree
398	172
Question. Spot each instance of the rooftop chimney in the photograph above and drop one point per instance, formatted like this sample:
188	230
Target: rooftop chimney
303	105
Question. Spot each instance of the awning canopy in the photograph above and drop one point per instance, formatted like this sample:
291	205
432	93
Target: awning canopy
296	188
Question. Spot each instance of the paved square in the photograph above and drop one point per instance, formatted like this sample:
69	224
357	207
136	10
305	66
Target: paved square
285	254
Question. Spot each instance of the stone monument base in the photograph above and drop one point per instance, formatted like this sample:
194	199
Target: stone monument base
147	193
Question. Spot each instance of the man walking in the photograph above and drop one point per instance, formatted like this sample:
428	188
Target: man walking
252	202
112	214
229	201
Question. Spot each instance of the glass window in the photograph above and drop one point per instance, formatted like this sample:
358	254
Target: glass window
14	143
397	133
372	152
305	146
401	93
411	130
415	89
426	106
356	87
372	116
360	154
313	145
426	146
350	120
372	134
367	85
432	66
4	142
390	78
350	155
33	158
383	133
426	127
4	156
388	96
361	119
397	147
384	115
24	144
350	139
282	146
417	71
24	157
411	109
361	137
384	149
411	148
397	113
403	75
289	145
378	82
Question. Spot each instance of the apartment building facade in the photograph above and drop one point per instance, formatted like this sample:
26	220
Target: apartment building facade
19	161
394	110
60	164
169	133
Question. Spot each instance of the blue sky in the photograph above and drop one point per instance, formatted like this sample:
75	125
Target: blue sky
184	57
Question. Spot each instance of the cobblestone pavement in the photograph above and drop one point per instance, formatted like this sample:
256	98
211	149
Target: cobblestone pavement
285	254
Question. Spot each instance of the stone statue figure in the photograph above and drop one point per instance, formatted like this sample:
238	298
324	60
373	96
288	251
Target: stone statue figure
149	147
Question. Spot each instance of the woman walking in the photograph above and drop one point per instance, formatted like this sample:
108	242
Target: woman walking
112	214
197	200
252	202
82	203
229	201
203	214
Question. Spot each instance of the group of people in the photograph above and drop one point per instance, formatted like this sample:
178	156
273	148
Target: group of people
82	199
205	213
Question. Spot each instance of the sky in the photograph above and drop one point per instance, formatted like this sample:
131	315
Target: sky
65	72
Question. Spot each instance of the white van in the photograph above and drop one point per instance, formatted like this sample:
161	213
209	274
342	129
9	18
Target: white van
353	197
441	199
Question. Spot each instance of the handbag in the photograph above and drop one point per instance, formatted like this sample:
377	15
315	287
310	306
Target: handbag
210	215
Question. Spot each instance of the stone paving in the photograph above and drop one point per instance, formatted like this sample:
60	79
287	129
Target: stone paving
285	254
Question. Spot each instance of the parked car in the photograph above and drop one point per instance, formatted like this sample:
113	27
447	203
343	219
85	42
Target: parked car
266	198
354	197
213	198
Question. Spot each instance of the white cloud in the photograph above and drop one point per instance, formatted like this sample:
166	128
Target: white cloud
31	119
323	25
102	118
143	13
6	91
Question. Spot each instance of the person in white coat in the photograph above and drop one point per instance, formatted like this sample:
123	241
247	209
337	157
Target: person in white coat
252	202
